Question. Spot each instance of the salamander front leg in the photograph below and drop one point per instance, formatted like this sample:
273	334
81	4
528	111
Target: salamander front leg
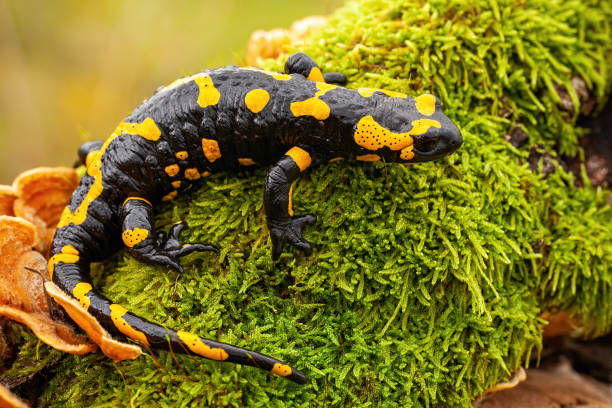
139	236
300	63
283	225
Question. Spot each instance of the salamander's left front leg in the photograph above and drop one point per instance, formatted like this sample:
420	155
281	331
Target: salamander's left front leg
283	225
138	235
300	63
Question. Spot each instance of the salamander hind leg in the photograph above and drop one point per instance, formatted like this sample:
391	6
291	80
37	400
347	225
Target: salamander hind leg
300	63
161	249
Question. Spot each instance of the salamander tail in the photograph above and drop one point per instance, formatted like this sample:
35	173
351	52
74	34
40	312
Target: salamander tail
70	275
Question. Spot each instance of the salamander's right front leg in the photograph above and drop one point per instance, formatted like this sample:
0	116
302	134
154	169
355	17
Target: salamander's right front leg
139	236
283	225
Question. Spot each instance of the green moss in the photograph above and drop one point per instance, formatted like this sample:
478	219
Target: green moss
427	282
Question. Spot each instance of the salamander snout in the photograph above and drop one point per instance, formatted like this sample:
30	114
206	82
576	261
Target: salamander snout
436	142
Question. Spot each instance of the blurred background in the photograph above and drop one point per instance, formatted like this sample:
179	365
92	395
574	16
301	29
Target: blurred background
71	70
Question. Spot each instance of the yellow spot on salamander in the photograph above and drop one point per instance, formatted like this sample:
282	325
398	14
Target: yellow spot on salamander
146	129
315	75
131	238
169	196
256	100
281	369
192	174
276	75
421	126
209	95
136	198
69	255
211	149
406	153
196	345
182	155
425	104
368	92
184	80
372	136
369	157
176	184
311	107
172	170
117	313
79	292
300	156
290	205
246	161
314	106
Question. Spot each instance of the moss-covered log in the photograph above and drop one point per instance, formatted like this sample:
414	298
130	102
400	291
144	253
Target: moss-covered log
427	282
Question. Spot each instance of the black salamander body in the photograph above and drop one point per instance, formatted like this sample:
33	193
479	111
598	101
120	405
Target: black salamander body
220	120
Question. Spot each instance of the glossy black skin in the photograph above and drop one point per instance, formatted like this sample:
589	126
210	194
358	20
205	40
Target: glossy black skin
132	166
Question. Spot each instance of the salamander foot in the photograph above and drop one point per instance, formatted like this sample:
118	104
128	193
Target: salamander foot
168	249
290	231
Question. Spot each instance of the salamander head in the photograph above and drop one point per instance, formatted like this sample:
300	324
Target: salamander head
436	141
407	130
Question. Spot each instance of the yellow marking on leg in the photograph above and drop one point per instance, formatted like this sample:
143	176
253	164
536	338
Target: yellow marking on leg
211	149
300	156
246	161
136	198
172	170
169	196
192	174
369	157
196	345
314	106
91	157
315	74
372	136
117	313
80	291
368	92
276	75
146	129
256	100
182	155
176	184
281	369
133	237
290	205
68	255
425	104
335	159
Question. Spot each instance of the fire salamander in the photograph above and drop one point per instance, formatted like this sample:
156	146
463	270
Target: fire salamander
222	120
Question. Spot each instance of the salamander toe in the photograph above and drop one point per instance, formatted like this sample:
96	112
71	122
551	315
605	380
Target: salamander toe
290	231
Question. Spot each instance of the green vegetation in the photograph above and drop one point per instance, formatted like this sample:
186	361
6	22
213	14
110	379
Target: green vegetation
427	282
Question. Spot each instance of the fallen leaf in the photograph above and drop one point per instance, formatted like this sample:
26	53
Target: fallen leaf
8	400
22	296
